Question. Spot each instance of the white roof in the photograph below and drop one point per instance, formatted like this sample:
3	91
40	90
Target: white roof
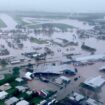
11	101
23	102
95	82
91	57
15	61
59	81
93	102
77	97
65	78
3	94
19	79
5	87
35	55
20	88
28	75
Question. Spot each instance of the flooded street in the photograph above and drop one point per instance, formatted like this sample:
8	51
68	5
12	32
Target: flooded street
86	72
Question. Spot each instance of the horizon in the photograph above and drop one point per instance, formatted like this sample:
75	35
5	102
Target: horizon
71	6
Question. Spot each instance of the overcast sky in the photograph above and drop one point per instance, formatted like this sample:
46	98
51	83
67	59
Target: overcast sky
54	5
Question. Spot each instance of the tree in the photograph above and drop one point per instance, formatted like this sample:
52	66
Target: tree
3	62
16	71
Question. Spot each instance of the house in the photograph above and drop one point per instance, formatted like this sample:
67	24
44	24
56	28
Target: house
90	58
43	102
21	88
28	76
3	95
62	79
23	102
93	102
5	87
58	81
65	79
11	101
77	97
95	83
19	80
29	92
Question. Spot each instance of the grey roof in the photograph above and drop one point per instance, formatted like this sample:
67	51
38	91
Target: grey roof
12	100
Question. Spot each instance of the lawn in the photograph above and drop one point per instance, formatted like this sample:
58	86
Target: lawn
11	91
8	79
1	102
61	26
19	20
38	41
36	100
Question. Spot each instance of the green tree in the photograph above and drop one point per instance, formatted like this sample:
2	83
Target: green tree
3	62
16	71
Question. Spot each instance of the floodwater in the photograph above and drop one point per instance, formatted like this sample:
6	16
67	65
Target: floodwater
9	21
86	71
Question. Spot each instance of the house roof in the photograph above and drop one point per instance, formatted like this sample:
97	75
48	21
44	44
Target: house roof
3	94
5	87
77	97
23	102
93	102
65	78
91	57
20	88
19	79
11	101
95	82
28	75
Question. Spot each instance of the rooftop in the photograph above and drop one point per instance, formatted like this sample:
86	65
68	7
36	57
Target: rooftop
3	94
23	102
77	97
11	101
93	102
95	82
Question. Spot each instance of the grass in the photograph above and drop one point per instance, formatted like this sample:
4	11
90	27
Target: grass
8	79
2	24
33	26
23	95
20	21
14	83
61	26
36	100
11	91
1	102
38	41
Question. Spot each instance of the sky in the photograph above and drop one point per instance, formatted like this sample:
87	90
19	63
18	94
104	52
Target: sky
54	5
